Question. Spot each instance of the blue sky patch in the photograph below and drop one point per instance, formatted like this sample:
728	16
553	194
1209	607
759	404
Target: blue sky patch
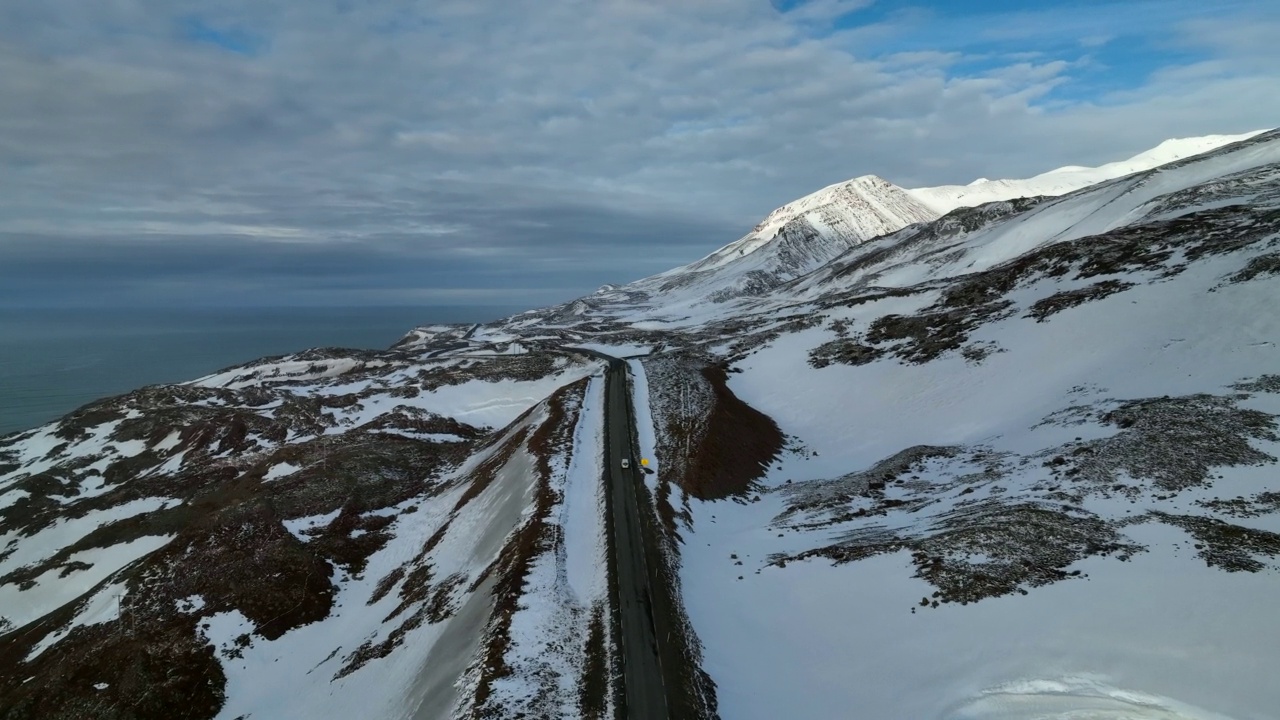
236	40
1112	45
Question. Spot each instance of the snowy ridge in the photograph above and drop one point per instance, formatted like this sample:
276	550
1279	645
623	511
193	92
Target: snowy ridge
854	210
945	198
980	238
795	239
810	232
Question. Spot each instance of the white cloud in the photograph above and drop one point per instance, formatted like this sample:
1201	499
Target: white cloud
825	10
475	122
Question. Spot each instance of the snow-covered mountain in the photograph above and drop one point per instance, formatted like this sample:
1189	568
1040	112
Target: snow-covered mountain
1015	461
945	198
796	238
807	233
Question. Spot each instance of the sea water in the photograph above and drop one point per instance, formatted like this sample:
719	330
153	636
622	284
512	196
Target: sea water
53	361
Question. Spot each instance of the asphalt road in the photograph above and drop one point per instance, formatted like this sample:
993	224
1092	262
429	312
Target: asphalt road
642	675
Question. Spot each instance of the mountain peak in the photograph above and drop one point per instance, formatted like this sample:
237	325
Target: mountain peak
807	232
802	235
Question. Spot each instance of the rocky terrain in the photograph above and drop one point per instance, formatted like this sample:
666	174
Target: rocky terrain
260	542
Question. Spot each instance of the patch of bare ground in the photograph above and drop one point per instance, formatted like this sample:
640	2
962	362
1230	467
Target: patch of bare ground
710	443
987	549
1264	503
239	559
1260	384
593	684
416	420
215	442
745	343
529	366
1224	545
153	669
862	296
1170	442
738	447
1042	309
1260	266
912	338
362	472
353	474
846	351
152	659
826	502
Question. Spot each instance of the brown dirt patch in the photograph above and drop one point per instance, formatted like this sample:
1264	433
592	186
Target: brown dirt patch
733	450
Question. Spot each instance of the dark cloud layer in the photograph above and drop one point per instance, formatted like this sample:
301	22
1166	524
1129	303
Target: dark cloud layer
446	150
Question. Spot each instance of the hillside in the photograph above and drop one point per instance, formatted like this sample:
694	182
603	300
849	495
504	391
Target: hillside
329	534
805	234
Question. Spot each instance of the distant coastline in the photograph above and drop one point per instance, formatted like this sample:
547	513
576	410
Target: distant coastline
53	361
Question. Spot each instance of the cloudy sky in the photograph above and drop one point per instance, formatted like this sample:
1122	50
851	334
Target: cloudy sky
515	152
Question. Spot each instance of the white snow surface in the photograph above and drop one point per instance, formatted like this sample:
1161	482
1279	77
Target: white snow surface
284	369
550	628
858	209
618	350
945	198
646	435
103	606
52	591
280	470
299	527
583	510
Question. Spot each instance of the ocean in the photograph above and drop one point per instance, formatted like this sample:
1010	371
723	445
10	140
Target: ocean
53	361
